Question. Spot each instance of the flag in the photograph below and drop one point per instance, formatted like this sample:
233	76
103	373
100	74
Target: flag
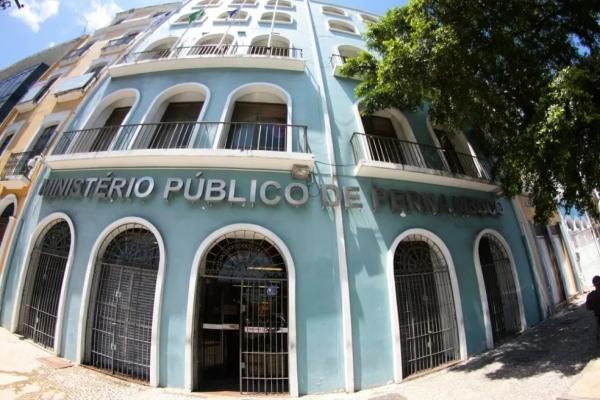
233	12
194	16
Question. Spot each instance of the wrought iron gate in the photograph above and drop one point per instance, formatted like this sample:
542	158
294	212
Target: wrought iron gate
44	283
248	266
121	333
426	313
500	288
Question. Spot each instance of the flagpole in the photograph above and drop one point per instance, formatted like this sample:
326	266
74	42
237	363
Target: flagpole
226	31
179	40
272	24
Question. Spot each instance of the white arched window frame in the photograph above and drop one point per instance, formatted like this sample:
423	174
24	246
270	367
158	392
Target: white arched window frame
204	247
277	41
338	26
393	306
82	346
243	3
12	129
183	92
401	127
164	44
268	89
121	98
241	17
489	339
183	20
368	19
280	18
33	239
282	4
334	11
461	144
207	3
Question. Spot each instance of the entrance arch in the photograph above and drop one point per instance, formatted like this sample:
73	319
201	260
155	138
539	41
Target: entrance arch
499	288
251	271
121	302
426	315
41	290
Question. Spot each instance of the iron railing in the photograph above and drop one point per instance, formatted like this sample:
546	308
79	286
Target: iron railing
17	164
391	150
214	50
263	136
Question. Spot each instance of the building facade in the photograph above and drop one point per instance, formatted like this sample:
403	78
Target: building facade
218	215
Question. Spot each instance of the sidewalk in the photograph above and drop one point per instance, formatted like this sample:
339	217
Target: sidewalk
557	359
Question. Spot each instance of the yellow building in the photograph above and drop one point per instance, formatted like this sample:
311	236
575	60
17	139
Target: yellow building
32	127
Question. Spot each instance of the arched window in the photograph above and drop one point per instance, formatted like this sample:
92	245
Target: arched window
259	114
243	277
185	19
215	44
43	284
172	118
104	125
389	138
8	212
334	11
368	19
241	16
6	141
427	316
159	49
458	154
248	3
208	3
501	293
280	4
345	52
341	26
273	45
280	18
120	316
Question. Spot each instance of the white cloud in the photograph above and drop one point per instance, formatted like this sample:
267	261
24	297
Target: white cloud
36	12
51	44
100	14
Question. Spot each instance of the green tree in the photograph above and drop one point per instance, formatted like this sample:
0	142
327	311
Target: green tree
523	75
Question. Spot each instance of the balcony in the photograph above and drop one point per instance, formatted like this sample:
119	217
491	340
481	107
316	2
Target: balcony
72	88
210	56
228	145
337	62
16	170
390	158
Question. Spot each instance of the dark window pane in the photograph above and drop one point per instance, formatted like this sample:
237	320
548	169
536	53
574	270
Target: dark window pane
379	126
43	140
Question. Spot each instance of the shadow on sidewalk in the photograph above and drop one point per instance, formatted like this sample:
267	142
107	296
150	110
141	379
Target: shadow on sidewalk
564	343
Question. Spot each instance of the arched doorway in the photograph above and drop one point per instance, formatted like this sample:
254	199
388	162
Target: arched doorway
241	318
501	288
43	285
122	308
425	299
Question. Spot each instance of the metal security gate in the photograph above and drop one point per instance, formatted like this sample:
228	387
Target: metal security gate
426	312
44	283
121	329
500	288
242	340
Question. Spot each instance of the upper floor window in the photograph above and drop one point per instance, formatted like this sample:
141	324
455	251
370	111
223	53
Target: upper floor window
274	45
45	88
43	140
341	26
5	142
280	4
368	18
208	3
346	52
248	3
280	18
334	11
241	16
95	69
185	19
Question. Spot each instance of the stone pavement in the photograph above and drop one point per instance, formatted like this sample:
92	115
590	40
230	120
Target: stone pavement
557	359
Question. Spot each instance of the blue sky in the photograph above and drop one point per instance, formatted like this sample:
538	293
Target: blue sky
42	23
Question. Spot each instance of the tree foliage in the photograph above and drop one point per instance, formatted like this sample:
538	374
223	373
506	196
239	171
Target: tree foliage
524	75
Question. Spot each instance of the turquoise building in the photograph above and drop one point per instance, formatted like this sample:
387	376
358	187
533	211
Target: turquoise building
219	216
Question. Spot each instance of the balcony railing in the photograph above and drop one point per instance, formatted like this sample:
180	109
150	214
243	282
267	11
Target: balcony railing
186	135
17	164
411	154
214	50
338	60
